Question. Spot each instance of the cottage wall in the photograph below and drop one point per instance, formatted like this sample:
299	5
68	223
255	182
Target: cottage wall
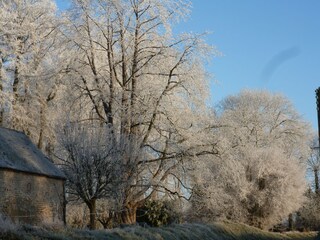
32	199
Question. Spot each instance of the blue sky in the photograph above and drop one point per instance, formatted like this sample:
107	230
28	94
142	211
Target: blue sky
272	45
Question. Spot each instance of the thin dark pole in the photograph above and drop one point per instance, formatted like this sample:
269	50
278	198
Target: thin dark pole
316	176
318	110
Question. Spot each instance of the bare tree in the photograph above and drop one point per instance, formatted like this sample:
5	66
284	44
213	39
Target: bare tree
313	164
307	216
89	160
147	86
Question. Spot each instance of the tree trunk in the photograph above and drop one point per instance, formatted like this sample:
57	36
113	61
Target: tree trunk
290	222
92	209
1	89
129	215
42	127
316	180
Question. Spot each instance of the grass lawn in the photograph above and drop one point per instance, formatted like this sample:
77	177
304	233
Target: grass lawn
216	231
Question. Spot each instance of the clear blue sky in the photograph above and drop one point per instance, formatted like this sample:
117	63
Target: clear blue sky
271	45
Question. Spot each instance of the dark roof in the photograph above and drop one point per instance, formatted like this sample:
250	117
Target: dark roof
18	153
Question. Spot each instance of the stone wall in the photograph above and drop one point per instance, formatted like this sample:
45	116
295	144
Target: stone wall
31	199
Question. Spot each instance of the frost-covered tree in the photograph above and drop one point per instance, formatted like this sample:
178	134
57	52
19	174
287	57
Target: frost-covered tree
146	86
259	177
88	159
308	215
313	164
27	65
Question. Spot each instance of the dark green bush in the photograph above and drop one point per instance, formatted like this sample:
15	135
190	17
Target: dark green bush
157	213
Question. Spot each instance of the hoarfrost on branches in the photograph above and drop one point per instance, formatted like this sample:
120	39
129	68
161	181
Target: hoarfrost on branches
130	74
259	177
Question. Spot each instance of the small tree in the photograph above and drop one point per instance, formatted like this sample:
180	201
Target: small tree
308	217
313	165
89	162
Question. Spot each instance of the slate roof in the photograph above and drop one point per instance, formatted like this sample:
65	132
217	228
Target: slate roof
18	153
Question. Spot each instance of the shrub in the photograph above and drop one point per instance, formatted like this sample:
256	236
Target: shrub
156	213
308	217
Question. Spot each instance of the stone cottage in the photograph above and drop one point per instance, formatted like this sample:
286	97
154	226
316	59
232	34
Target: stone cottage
31	186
